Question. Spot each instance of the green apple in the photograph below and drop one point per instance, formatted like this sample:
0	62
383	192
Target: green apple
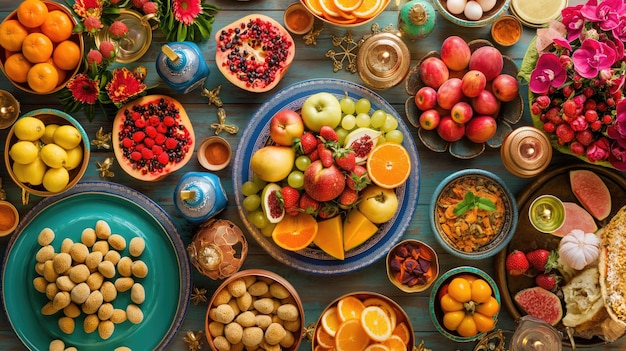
378	204
321	109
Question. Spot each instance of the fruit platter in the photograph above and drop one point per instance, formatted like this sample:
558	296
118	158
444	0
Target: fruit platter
381	233
549	273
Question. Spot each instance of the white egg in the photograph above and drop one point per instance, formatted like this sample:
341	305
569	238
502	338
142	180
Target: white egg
456	7
486	4
473	11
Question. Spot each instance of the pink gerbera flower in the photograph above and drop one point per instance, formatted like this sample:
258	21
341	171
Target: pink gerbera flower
84	89
124	85
186	11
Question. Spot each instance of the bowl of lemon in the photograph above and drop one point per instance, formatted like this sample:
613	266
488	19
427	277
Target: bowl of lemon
46	152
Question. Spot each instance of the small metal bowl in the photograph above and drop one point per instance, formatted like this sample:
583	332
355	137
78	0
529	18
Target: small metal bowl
436	313
12	220
9	109
506	30
488	17
214	153
304	19
425	252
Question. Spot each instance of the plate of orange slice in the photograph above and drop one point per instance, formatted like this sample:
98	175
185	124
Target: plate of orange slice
345	13
312	258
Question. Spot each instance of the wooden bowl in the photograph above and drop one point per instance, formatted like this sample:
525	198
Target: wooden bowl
75	37
425	251
49	116
348	20
10	222
488	17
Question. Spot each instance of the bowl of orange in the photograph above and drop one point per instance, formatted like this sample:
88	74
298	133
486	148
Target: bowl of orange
345	13
359	319
39	52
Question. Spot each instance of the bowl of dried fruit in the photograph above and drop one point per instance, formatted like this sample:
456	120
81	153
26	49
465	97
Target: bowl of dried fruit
255	307
473	214
412	266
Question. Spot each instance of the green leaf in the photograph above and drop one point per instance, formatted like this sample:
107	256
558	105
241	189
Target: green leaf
484	203
529	61
470	201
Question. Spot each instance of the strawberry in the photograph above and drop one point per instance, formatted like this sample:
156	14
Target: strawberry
308	204
344	158
306	143
326	156
348	198
328	134
290	198
358	178
327	210
314	155
516	263
548	281
542	259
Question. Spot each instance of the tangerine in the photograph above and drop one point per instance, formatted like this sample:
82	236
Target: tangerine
57	26
42	78
389	165
376	323
32	13
67	55
37	47
62	73
394	343
295	232
369	8
12	35
16	67
349	307
351	336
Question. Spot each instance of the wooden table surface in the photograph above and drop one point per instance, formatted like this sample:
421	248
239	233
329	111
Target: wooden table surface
310	62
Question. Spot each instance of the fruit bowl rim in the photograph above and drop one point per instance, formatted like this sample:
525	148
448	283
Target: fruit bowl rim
483	21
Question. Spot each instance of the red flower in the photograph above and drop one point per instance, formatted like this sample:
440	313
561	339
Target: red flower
84	89
89	8
124	85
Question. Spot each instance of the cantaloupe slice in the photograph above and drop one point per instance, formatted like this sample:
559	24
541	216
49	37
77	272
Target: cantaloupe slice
576	217
329	237
357	229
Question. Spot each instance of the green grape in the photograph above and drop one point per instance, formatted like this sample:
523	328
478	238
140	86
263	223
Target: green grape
363	105
394	136
362	120
348	122
295	179
259	182
391	123
341	134
258	219
249	188
381	139
347	105
268	229
252	202
377	120
302	162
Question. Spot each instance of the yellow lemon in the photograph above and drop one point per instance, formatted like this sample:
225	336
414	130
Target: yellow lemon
47	137
29	128
53	155
74	158
24	152
34	172
20	172
67	137
56	179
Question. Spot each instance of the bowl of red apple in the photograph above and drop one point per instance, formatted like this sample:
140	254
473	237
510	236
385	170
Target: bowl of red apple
463	98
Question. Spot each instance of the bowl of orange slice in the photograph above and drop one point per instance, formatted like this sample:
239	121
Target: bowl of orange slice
363	321
345	13
39	52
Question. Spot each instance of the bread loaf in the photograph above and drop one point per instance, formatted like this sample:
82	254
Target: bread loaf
612	266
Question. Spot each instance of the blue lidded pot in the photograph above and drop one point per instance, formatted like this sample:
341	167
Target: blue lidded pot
181	66
199	196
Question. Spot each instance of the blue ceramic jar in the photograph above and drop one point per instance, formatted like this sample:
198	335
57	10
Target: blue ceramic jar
181	66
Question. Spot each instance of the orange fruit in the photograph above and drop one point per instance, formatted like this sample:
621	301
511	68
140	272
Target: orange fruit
376	323
12	35
349	307
324	339
341	19
351	336
61	72
321	348
348	5
376	301
37	47
295	232
67	55
329	8
403	332
330	321
389	165
16	67
377	347
42	77
315	7
57	26
394	343
32	13
368	8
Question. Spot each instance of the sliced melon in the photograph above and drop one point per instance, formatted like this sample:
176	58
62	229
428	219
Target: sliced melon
576	217
330	237
591	192
357	229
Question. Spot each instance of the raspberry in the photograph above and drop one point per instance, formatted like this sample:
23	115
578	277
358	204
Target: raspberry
149	142
171	143
549	127
596	125
147	153
585	137
162	128
157	149
169	121
127	143
140	123
151	131
591	115
163	158
135	115
138	136
159	139
154	121
135	155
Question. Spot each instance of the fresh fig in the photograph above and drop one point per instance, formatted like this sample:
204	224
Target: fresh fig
591	192
362	141
271	203
540	303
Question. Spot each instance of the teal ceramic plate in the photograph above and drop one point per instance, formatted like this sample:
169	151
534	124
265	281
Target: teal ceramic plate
130	214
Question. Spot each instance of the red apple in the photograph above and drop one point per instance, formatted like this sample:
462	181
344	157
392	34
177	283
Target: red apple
426	98
455	53
474	82
449	93
481	128
505	87
486	103
323	183
433	72
458	74
488	60
285	126
449	130
461	112
429	119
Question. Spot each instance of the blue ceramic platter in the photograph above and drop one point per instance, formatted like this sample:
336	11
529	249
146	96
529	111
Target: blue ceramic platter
130	214
311	259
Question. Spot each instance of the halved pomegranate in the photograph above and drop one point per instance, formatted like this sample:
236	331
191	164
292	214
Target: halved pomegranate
254	52
152	137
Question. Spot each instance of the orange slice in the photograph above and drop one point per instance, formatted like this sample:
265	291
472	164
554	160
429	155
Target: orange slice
315	7
403	332
329	8
295	232
394	343
377	347
340	20
376	323
368	8
348	5
389	165
376	301
331	321
351	336
349	307
324	339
